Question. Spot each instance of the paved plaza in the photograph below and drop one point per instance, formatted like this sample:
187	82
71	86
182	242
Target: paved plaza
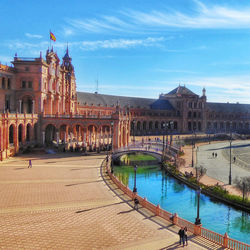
65	201
218	167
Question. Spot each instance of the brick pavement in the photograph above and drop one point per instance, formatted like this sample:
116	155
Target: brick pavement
64	202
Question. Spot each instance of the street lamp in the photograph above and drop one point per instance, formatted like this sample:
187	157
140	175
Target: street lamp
112	125
230	155
133	131
171	123
135	189
163	141
193	146
198	220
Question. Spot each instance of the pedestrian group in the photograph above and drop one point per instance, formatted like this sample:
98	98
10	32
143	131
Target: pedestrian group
183	236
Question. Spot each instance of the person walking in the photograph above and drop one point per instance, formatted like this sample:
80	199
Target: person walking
30	164
185	235
213	154
136	203
181	234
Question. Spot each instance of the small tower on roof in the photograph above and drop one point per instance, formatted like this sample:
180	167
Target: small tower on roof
66	64
204	92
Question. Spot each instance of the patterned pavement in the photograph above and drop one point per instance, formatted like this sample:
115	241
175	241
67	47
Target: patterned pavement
66	202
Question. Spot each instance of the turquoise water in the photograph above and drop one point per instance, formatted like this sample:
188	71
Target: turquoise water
175	197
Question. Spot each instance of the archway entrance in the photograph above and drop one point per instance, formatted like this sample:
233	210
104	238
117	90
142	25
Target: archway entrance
50	134
11	134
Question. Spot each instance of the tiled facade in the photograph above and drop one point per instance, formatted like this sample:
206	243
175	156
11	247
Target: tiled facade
39	104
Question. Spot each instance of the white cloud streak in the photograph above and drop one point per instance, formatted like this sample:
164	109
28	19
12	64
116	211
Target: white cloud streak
89	45
200	17
33	36
120	43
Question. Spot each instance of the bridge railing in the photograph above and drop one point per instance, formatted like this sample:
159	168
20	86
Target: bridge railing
219	239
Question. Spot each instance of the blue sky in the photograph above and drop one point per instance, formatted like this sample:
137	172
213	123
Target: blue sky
139	48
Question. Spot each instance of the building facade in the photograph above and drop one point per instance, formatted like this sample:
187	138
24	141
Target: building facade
39	104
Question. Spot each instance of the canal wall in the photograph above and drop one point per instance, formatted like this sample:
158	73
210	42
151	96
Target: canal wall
222	240
185	180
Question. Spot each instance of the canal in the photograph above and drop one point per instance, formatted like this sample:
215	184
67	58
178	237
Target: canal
153	183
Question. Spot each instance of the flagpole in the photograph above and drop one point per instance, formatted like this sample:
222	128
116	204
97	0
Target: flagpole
49	39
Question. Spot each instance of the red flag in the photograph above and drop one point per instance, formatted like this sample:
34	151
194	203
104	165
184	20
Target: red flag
52	36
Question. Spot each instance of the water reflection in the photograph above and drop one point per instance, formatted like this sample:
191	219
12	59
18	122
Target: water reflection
175	197
242	222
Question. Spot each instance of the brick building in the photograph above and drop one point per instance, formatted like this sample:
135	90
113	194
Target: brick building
39	104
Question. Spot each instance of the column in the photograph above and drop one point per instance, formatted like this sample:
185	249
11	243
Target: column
51	106
33	106
57	138
20	106
58	106
103	136
43	137
100	137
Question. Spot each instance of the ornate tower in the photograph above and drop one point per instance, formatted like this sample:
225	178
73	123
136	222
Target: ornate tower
70	84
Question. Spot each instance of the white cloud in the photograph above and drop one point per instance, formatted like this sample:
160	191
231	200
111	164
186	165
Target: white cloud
33	36
119	43
200	17
5	59
203	17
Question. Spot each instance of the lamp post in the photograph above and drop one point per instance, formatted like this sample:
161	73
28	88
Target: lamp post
193	146
171	123
163	141
133	131
112	125
135	189
230	155
198	220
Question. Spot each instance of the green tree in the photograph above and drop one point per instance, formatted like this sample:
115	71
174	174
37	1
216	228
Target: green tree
243	184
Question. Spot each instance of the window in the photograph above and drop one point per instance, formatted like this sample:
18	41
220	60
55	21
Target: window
9	85
30	85
23	85
3	83
195	105
7	102
27	69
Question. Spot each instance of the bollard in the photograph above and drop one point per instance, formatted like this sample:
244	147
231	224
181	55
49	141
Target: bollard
197	229
157	210
175	219
225	240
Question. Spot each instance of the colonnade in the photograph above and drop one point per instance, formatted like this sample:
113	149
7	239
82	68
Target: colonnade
92	136
16	129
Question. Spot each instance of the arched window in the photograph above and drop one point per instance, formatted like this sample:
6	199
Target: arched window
156	125
199	126
175	125
138	125
150	125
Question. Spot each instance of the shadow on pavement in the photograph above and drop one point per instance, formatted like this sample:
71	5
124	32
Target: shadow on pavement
74	184
86	210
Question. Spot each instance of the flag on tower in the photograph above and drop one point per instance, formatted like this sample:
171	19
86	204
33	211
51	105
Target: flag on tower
52	36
